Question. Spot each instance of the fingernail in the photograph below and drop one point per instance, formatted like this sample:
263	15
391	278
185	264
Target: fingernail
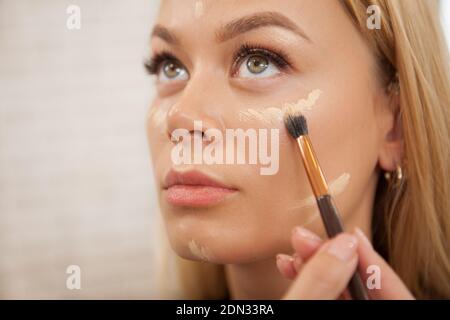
363	237
284	258
307	235
343	247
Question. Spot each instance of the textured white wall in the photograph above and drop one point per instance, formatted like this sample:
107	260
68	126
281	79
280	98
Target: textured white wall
75	178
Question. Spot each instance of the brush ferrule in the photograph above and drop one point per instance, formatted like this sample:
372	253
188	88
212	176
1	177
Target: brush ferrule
313	170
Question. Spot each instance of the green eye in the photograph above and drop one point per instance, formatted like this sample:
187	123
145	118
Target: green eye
172	69
257	64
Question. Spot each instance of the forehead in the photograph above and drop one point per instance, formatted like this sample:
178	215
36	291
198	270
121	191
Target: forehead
196	24
205	16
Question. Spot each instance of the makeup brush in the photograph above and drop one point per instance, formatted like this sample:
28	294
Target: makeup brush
297	127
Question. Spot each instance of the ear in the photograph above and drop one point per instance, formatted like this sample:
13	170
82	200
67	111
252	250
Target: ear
391	134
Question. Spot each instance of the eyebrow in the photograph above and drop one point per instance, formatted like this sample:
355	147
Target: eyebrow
239	26
164	33
255	21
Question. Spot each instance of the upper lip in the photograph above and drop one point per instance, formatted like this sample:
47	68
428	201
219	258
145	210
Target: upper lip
191	178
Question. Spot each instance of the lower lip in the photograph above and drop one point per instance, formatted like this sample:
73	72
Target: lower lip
196	196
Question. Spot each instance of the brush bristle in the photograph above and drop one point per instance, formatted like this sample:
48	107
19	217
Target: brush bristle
296	124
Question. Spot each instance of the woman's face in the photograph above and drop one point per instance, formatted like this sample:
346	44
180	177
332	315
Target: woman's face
236	65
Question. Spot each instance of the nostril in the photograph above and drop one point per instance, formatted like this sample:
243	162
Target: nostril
192	133
198	133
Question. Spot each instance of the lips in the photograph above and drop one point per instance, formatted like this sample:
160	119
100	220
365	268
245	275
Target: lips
194	189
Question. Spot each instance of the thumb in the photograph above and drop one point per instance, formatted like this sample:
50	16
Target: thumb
327	273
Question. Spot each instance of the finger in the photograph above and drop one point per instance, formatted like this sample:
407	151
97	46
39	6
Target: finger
327	273
305	242
298	262
285	265
390	286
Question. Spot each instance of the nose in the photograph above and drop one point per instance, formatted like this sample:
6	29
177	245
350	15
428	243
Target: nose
196	103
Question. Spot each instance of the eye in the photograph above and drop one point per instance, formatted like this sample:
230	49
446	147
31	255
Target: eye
258	63
172	71
167	68
257	67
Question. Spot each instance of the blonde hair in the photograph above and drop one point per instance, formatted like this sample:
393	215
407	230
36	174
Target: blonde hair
411	221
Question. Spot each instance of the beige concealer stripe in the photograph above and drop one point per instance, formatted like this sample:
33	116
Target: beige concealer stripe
199	251
336	187
274	115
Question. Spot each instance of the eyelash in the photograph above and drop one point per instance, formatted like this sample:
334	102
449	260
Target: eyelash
278	58
281	60
153	64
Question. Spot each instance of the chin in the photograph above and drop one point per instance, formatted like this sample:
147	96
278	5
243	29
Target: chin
200	240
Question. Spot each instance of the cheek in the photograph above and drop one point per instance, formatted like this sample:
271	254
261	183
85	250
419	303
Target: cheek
344	134
157	116
156	119
349	131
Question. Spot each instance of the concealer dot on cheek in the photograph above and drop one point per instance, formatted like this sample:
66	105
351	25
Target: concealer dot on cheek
199	9
274	115
157	116
199	251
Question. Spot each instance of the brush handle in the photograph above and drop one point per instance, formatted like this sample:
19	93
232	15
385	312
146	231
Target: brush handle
333	226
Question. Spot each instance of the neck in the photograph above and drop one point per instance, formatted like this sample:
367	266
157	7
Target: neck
256	280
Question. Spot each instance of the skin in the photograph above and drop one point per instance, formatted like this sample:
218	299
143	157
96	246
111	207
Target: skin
321	269
352	127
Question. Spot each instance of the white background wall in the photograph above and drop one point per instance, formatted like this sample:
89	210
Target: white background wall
75	179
